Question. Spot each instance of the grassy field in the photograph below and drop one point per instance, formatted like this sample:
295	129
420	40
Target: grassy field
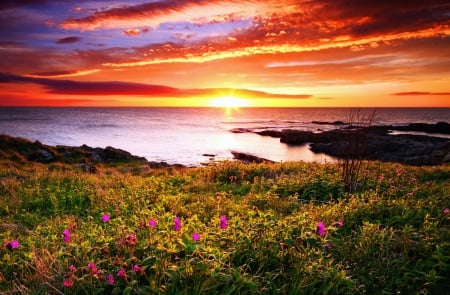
232	228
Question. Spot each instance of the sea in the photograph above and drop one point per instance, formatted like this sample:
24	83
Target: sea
194	136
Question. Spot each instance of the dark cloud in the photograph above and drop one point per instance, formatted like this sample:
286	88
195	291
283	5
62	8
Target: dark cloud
146	10
70	87
414	93
68	40
11	4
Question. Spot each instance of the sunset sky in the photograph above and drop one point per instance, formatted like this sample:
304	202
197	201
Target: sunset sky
308	53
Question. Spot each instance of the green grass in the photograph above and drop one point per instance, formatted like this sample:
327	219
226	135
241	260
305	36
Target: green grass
395	236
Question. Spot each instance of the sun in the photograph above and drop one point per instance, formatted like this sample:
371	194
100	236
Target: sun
229	102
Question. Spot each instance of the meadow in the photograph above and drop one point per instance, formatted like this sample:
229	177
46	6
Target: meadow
230	228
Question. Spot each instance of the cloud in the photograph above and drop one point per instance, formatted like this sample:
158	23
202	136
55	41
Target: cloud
155	13
135	32
69	87
68	40
415	93
8	4
64	73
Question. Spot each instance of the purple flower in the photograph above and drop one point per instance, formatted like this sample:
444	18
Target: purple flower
66	234
105	218
110	279
72	267
223	222
152	223
176	223
136	268
320	228
196	236
327	246
14	244
11	245
121	273
446	211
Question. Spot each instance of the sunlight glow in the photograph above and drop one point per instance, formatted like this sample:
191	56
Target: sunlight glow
229	102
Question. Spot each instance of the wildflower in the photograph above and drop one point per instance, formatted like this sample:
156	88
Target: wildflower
105	218
136	268
110	279
68	283
176	223
11	245
72	267
320	228
446	211
66	234
14	244
327	246
121	273
93	268
152	223
340	223
196	236
223	222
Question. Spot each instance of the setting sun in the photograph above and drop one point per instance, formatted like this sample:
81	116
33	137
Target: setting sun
229	102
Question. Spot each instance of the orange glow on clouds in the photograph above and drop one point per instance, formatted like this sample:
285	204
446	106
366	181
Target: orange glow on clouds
197	53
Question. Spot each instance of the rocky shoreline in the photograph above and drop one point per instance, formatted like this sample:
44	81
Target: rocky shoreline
372	143
375	142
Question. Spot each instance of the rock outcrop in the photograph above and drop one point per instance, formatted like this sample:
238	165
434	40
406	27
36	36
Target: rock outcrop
375	143
248	158
20	149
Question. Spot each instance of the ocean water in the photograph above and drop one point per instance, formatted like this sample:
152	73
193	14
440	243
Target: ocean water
190	135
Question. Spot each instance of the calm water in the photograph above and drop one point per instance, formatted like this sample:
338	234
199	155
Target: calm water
184	135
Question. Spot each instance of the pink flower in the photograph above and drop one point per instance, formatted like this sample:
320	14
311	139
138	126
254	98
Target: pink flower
152	223
446	211
327	246
68	283
110	279
223	222
66	234
121	273
176	223
340	223
105	218
320	228
196	236
136	268
11	245
72	267
14	244
93	267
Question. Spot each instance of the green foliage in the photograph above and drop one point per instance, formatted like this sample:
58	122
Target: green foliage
392	236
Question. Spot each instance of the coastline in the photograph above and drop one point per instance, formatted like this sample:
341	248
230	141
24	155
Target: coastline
371	143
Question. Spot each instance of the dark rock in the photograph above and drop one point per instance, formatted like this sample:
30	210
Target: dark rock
248	158
329	123
271	133
374	143
41	155
441	127
241	130
208	155
296	137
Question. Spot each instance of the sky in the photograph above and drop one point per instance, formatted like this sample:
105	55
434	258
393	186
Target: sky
261	53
